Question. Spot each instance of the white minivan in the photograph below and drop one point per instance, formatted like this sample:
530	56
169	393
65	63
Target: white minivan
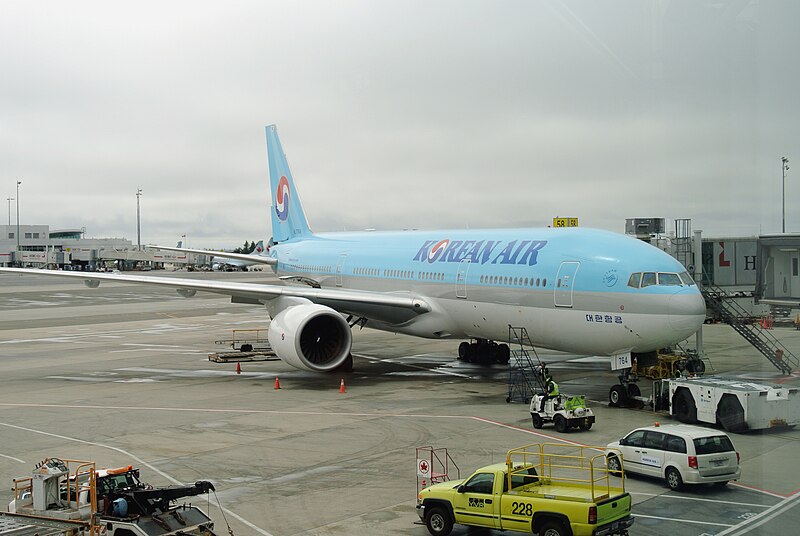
678	453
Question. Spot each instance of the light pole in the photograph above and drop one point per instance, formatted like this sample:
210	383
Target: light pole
9	199
784	169
138	220
18	183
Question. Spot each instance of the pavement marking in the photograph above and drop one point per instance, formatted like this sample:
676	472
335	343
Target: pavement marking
682	498
12	458
139	460
763	517
426	369
684	520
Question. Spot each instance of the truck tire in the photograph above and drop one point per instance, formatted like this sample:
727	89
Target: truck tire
730	414
560	423
537	420
683	407
552	528
438	521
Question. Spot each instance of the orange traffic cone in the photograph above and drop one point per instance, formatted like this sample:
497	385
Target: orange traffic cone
277	383
341	386
238	368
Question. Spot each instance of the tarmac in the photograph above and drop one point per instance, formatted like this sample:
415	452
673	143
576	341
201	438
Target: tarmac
120	375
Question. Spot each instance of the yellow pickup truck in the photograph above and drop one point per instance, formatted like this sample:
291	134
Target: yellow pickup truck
545	489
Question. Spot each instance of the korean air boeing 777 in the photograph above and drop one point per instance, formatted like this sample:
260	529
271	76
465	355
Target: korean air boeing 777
578	290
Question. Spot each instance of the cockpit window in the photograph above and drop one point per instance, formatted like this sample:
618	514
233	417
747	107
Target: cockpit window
664	279
648	279
669	279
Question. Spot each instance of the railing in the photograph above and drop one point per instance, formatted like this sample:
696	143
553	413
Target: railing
573	465
734	315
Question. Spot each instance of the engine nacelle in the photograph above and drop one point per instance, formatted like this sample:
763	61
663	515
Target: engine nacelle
310	337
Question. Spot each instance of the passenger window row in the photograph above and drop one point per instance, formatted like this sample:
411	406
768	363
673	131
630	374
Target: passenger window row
513	281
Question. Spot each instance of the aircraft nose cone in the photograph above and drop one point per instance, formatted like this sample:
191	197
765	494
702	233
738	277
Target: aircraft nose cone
687	311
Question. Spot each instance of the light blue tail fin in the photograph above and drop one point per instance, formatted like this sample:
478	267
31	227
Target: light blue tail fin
259	249
288	218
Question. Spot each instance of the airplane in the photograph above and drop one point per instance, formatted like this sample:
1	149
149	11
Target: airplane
578	290
224	260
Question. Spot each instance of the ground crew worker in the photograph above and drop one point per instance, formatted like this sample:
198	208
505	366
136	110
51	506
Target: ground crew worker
552	391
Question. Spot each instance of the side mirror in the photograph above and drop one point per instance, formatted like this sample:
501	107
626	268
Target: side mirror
622	441
461	488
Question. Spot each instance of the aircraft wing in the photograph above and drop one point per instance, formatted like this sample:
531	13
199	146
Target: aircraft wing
388	307
249	257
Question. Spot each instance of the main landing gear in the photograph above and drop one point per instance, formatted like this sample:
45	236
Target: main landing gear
484	351
626	393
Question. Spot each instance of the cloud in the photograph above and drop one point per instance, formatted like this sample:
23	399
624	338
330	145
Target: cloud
398	115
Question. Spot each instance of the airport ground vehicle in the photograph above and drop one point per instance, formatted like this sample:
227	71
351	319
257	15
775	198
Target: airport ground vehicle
563	411
73	498
548	489
736	405
678	453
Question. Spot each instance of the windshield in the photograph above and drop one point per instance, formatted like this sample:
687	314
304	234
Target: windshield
712	445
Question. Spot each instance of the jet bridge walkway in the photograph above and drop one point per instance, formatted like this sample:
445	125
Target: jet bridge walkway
735	316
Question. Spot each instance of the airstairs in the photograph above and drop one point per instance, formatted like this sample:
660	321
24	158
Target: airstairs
524	376
735	316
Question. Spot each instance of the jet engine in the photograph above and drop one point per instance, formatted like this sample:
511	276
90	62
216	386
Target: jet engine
310	337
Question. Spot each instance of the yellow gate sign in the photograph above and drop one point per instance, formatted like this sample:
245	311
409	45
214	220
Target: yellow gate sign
565	222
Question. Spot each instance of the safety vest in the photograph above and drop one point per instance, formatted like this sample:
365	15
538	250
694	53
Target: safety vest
553	388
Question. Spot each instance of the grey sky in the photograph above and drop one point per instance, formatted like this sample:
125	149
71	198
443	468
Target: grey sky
399	114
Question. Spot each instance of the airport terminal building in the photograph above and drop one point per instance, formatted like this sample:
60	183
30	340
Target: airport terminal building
38	246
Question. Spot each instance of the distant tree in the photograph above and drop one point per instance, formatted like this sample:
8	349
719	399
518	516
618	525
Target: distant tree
248	247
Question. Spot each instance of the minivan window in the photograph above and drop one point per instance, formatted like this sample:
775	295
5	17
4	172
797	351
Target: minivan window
676	444
654	440
635	439
711	445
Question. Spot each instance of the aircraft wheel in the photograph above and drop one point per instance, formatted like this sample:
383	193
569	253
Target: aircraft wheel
633	392
463	351
617	396
503	354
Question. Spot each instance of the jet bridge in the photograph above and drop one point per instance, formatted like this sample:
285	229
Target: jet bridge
778	270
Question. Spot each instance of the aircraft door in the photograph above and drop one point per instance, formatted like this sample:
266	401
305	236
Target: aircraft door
565	282
795	271
339	268
461	279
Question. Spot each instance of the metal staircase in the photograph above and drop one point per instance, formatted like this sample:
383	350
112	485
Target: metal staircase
523	375
734	315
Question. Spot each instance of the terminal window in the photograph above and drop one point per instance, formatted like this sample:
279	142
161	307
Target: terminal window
10	235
